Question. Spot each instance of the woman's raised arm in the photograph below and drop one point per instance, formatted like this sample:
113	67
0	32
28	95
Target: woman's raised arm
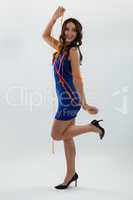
47	31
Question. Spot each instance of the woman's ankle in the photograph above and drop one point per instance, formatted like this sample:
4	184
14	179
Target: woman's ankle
70	173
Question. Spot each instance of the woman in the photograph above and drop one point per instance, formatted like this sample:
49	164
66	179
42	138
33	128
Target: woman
70	91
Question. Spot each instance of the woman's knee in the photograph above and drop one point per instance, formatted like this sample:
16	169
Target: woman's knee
56	136
57	131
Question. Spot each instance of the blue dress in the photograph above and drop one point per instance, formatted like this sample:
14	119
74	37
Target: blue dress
67	95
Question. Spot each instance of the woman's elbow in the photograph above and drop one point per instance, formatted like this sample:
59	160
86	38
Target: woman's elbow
78	81
44	35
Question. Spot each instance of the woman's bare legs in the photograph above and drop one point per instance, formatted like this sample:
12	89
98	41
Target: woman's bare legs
66	130
70	153
76	130
69	145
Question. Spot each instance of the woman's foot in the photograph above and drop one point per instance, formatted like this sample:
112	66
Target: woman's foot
98	128
65	185
95	129
68	177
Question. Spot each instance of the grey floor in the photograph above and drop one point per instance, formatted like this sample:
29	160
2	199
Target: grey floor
104	173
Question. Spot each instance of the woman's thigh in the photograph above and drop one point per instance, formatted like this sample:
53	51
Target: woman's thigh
59	127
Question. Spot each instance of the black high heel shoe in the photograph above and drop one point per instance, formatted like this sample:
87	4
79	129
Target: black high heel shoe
95	123
64	186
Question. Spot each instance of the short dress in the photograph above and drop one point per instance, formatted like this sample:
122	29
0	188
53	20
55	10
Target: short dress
67	95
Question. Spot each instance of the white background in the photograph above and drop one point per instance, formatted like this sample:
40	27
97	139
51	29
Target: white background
28	169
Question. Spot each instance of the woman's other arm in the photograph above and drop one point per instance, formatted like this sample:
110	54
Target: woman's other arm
78	80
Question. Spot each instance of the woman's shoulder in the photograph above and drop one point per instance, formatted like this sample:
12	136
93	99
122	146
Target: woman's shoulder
74	51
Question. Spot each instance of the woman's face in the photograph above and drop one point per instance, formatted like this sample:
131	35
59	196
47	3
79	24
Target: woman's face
70	32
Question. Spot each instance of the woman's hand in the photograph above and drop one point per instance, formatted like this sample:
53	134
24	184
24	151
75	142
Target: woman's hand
58	12
91	109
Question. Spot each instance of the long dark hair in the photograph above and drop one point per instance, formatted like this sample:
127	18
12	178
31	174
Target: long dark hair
77	42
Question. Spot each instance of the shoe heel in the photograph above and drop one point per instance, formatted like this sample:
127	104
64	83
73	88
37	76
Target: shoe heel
95	122
75	183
